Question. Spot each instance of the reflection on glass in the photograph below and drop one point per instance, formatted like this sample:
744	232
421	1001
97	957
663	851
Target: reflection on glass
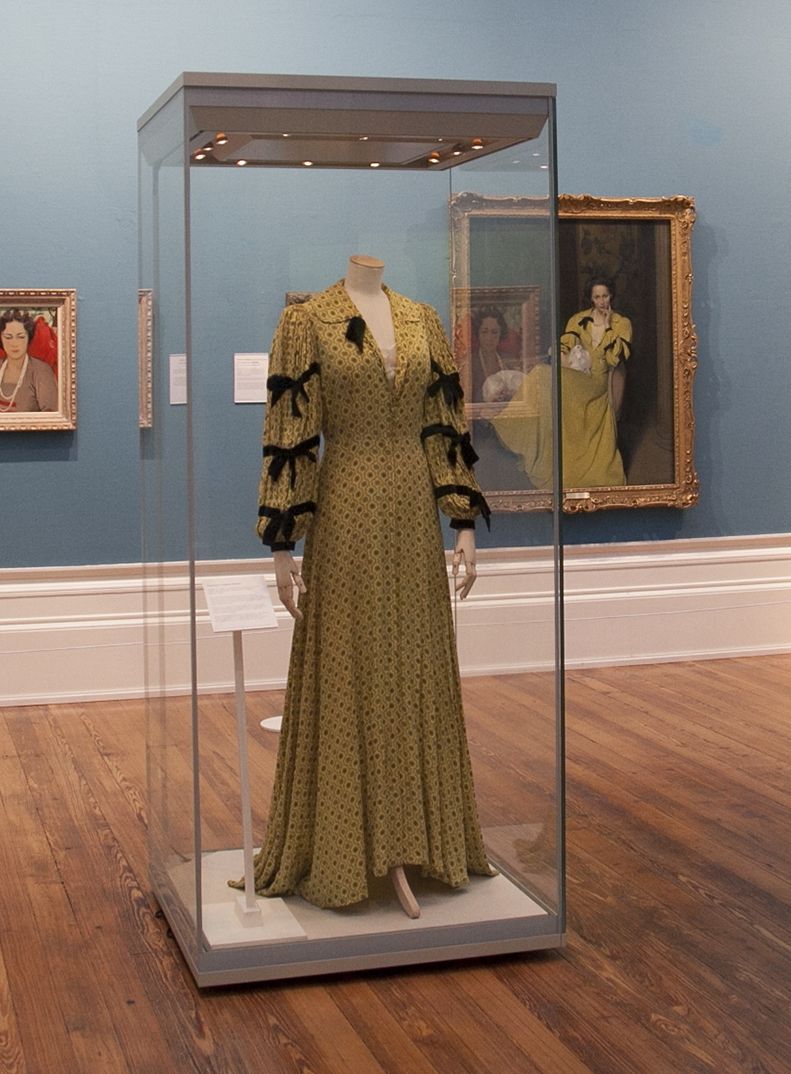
624	337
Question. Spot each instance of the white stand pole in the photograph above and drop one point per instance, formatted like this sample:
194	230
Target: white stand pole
250	905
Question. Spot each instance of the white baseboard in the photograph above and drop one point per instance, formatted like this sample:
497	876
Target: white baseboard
77	633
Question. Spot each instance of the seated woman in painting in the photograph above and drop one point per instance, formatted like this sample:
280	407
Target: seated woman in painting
26	383
595	344
498	370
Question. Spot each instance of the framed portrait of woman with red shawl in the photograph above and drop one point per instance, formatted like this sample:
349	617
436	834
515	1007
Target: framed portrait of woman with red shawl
38	337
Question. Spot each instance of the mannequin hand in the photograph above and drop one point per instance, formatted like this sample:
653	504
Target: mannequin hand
288	575
465	552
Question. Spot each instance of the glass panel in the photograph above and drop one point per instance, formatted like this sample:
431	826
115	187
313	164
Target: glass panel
165	522
503	221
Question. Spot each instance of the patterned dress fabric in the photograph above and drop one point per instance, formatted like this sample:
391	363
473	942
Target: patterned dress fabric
373	767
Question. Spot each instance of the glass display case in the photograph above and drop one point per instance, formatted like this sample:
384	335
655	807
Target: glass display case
254	192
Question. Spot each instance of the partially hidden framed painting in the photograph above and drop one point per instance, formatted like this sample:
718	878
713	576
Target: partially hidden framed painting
145	346
622	332
38	353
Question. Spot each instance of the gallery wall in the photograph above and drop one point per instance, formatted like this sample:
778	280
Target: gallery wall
652	100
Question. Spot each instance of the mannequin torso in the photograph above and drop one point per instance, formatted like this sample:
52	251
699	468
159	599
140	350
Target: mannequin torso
363	284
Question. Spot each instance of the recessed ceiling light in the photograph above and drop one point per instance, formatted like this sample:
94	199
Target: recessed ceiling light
221	138
241	163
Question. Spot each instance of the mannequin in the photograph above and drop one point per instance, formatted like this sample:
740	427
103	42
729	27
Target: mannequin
365	443
363	284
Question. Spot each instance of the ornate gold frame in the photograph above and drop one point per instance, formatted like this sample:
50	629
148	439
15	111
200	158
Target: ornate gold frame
145	349
59	308
679	485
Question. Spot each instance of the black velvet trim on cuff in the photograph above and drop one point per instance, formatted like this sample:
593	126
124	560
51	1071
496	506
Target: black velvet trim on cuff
462	523
476	499
283	546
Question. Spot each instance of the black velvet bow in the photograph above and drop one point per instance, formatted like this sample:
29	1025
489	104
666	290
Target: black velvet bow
355	332
447	383
585	321
282	521
280	456
278	385
626	346
468	453
457	440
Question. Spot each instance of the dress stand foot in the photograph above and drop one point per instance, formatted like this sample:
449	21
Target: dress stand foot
409	903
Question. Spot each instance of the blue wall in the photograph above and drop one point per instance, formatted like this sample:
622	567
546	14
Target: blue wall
652	99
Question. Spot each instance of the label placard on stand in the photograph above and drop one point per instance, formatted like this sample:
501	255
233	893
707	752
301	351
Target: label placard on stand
236	604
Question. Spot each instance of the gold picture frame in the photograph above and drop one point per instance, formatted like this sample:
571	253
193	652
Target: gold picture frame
43	394
644	247
145	349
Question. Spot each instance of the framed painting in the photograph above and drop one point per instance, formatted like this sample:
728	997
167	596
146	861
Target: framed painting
496	341
38	352
296	298
145	345
624	339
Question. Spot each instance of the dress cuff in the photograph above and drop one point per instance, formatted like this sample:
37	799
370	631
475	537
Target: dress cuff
462	523
282	546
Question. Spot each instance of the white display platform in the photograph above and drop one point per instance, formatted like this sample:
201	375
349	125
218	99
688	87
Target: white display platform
483	899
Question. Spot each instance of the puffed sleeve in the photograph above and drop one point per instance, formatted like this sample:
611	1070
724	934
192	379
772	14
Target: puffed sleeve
292	426
445	436
571	337
617	341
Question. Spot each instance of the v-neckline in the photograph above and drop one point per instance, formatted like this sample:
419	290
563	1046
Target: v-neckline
394	384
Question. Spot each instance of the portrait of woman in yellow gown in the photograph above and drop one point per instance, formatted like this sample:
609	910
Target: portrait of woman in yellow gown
593	349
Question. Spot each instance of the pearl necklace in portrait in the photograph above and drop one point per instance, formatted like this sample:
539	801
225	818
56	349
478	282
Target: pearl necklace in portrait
7	401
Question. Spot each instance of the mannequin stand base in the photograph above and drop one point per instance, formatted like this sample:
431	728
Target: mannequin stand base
409	903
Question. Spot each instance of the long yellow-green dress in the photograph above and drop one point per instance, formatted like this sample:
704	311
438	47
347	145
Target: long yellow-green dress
590	437
373	767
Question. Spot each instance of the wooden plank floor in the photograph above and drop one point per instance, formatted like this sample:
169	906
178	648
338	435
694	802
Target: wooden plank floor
679	871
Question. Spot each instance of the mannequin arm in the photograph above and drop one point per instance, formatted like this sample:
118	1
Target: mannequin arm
464	553
288	575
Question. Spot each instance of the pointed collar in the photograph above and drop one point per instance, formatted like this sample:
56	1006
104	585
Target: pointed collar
334	305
